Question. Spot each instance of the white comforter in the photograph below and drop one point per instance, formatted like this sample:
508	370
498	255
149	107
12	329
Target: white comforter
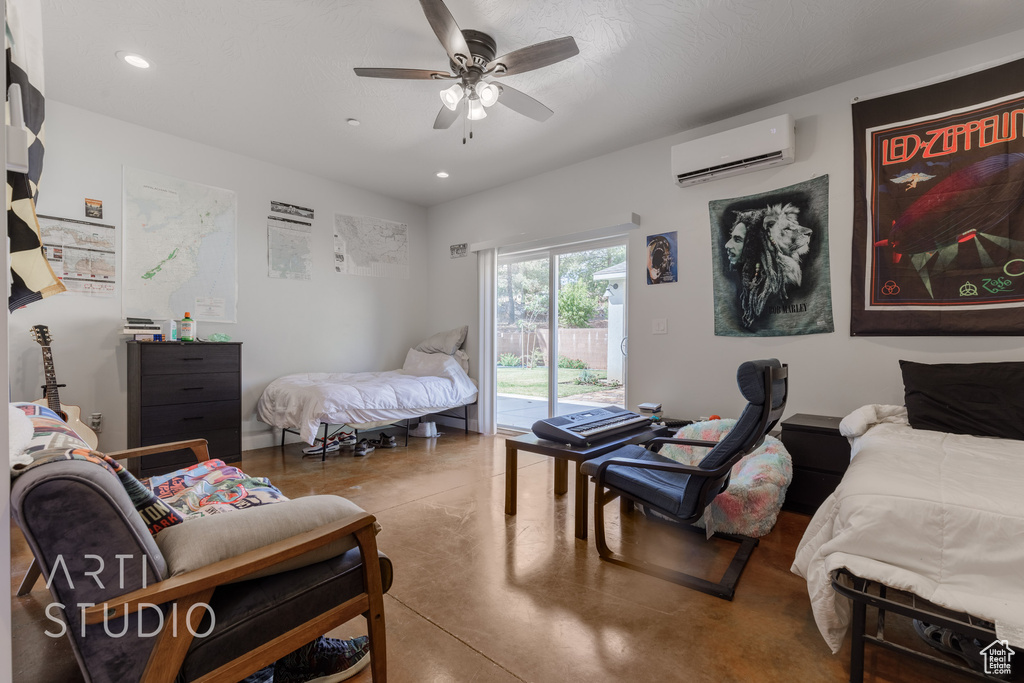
939	515
428	383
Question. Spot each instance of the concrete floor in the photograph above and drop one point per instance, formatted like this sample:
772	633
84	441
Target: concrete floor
480	596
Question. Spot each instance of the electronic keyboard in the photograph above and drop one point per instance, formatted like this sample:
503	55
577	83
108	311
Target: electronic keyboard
579	429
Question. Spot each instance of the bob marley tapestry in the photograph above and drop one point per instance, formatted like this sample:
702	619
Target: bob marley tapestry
770	256
938	235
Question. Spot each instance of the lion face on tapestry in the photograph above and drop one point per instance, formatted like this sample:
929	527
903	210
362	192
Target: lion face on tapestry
767	246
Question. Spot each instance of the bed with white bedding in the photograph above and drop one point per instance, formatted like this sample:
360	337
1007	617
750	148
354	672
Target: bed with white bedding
428	383
935	514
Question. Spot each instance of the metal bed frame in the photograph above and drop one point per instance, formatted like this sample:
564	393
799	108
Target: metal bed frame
865	593
337	428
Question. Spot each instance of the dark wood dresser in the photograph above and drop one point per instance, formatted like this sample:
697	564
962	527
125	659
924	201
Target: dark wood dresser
184	390
820	457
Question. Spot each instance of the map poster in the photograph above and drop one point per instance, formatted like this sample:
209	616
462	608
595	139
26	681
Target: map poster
289	248
81	254
371	247
938	235
179	249
770	262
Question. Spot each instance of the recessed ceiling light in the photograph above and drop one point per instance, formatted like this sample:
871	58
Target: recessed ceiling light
442	174
352	122
133	59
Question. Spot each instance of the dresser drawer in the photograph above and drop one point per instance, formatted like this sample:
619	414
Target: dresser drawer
191	388
223	444
825	452
189	420
174	359
809	490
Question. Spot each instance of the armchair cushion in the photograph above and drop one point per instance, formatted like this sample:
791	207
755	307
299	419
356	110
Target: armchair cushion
667	490
204	540
249	613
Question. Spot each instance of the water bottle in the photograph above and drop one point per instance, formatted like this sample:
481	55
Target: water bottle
187	329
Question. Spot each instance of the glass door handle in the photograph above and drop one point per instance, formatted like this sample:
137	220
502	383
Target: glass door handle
623	347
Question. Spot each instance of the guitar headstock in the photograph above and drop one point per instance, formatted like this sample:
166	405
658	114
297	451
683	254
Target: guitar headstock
41	333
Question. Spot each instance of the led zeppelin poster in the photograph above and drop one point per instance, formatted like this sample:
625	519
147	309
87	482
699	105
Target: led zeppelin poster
939	208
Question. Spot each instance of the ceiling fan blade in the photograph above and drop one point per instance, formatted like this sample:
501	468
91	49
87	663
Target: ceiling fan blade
534	56
446	117
424	74
519	101
447	31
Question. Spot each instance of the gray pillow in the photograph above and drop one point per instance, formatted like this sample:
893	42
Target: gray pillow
204	540
444	342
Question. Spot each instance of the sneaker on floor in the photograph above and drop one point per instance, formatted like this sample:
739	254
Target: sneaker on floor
364	447
325	660
421	430
334	443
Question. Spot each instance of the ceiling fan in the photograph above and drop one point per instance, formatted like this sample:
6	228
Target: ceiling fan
472	60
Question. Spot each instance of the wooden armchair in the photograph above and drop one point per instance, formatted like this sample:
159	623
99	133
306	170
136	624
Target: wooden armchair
129	618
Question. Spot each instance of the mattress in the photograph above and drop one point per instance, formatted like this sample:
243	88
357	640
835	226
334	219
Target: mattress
428	383
932	513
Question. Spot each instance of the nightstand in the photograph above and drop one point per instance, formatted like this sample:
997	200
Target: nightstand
820	457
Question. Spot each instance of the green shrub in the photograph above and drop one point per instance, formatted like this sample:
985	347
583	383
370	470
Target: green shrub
587	377
508	360
571	363
536	358
576	306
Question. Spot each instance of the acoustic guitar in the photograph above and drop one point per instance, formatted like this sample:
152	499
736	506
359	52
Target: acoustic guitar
69	413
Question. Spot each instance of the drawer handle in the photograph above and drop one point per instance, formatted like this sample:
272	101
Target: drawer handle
198	417
192	388
197	358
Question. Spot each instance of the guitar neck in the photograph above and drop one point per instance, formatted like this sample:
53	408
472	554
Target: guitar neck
52	396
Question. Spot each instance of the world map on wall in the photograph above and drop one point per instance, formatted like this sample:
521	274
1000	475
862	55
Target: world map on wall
179	248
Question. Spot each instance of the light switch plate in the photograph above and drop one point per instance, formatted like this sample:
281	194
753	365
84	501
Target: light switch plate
659	326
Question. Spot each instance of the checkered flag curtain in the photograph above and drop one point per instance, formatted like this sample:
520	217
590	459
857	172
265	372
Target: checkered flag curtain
31	276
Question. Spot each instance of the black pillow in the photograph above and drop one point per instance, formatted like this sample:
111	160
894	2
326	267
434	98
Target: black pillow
983	399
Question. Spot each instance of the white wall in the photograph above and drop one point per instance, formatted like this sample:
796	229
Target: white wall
690	370
333	322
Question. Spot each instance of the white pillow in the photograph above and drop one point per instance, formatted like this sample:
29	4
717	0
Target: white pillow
444	342
20	431
429	364
463	359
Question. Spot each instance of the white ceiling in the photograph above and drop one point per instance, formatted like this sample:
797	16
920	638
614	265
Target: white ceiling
273	80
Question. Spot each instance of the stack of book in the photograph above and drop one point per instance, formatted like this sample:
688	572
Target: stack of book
142	329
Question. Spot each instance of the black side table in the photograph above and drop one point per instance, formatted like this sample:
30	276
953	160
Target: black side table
820	457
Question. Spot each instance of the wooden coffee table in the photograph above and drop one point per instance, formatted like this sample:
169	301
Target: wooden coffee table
562	454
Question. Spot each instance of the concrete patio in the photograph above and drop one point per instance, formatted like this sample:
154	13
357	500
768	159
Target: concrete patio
520	412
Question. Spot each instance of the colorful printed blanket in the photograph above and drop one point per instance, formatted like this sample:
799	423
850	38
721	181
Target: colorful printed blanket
757	484
212	487
206	488
53	441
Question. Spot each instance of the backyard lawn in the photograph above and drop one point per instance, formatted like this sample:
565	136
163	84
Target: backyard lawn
534	382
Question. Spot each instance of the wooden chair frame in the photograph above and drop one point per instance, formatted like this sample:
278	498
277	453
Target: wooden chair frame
197	586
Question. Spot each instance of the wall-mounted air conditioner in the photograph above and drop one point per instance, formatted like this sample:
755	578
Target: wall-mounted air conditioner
741	150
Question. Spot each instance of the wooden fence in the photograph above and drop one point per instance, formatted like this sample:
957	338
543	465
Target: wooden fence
589	345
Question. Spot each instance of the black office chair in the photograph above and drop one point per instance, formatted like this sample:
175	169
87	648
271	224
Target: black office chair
678	492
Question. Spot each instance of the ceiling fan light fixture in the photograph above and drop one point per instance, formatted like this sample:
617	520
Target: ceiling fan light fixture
488	93
476	110
452	96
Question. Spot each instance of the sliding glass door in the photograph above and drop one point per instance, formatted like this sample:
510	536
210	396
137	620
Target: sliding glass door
561	325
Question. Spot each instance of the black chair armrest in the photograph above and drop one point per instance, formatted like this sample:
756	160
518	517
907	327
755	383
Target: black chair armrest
692	470
660	441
